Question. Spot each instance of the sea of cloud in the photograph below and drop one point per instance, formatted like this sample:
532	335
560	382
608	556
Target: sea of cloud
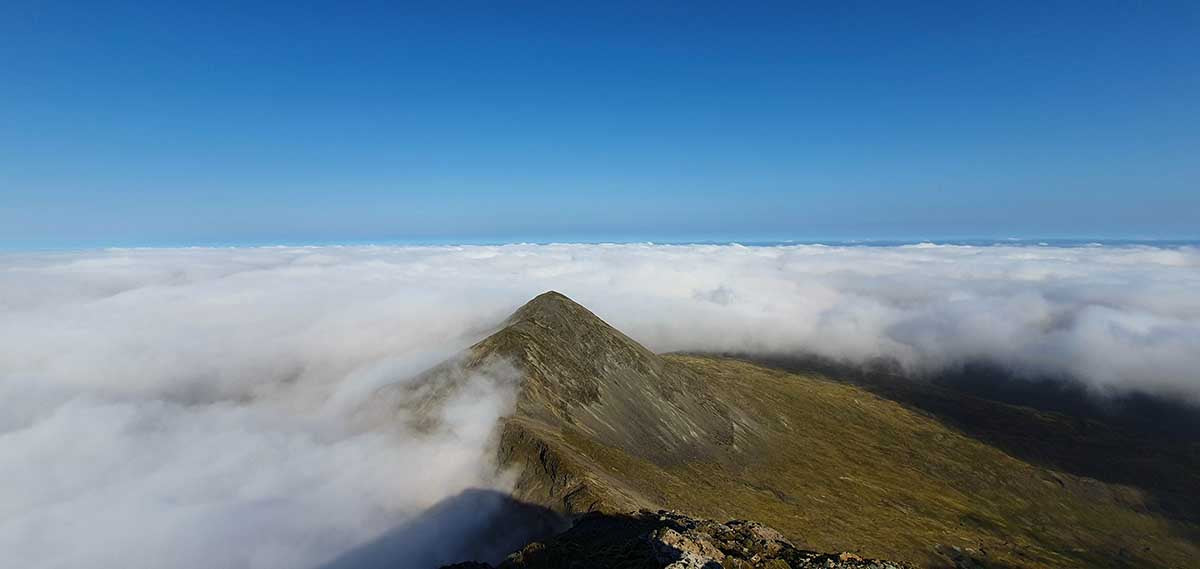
191	408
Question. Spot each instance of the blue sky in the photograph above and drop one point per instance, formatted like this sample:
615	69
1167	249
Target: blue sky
458	121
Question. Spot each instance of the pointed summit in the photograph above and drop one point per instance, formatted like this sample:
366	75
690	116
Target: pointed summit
551	304
583	380
553	313
557	340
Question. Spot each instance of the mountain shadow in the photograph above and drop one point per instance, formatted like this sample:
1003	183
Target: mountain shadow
476	525
655	540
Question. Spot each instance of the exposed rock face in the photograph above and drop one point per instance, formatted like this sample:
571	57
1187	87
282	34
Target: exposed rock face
672	540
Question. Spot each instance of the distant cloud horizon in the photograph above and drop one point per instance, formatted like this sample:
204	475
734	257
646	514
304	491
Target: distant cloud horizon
974	241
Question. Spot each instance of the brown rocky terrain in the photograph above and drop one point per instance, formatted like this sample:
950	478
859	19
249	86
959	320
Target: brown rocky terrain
666	539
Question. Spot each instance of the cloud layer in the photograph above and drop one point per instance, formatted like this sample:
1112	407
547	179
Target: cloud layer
189	407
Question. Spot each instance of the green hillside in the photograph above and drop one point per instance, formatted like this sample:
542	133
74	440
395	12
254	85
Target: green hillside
604	424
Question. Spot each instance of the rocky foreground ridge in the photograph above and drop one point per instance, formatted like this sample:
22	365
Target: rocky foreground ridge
668	539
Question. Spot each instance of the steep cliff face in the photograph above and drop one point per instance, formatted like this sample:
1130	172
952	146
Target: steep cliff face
601	424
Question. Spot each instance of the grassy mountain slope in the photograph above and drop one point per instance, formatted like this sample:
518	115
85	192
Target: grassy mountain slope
601	423
844	469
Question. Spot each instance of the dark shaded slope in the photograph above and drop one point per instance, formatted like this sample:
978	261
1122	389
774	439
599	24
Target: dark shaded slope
479	525
655	540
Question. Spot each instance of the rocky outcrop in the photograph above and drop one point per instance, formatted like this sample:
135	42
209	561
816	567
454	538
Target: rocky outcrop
670	540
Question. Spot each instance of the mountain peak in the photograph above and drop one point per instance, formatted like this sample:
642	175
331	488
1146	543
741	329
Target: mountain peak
584	382
553	309
551	299
565	351
556	336
580	373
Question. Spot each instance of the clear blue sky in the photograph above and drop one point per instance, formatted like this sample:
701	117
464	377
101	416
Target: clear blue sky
168	123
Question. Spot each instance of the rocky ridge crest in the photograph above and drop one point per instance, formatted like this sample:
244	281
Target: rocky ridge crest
671	540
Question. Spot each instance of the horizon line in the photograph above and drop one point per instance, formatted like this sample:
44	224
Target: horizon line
753	242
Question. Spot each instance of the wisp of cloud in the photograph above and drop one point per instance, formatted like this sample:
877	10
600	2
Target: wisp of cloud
193	408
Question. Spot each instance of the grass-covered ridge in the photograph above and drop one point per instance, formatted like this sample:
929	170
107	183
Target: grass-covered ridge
602	423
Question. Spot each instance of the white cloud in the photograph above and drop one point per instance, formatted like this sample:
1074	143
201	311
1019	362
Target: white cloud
188	407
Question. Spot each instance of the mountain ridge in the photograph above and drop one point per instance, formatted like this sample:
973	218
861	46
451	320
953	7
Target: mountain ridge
602	424
583	377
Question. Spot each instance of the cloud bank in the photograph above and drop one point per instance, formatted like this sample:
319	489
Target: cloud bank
191	407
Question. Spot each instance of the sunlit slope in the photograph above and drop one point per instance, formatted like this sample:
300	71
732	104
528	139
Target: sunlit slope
844	469
602	423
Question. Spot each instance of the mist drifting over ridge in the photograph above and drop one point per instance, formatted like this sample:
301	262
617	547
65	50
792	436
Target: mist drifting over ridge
164	401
